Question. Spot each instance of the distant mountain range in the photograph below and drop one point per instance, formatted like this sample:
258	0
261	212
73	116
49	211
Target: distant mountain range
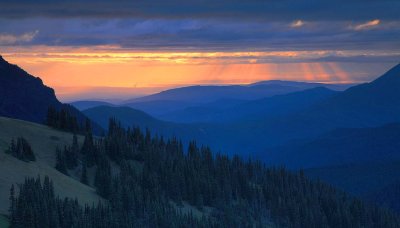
259	109
83	105
259	126
204	94
208	103
25	97
327	127
218	130
366	105
304	85
178	99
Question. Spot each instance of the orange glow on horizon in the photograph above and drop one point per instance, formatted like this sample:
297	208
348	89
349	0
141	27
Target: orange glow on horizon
144	71
151	75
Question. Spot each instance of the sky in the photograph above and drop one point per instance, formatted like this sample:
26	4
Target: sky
121	49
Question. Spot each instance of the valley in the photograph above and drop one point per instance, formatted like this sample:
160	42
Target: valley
194	156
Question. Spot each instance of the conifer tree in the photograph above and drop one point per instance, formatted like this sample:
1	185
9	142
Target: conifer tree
84	178
61	165
12	208
89	150
21	150
103	178
72	153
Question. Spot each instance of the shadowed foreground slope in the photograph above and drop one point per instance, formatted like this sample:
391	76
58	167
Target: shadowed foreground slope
44	141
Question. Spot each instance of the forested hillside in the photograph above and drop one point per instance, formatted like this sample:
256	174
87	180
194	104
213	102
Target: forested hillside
148	181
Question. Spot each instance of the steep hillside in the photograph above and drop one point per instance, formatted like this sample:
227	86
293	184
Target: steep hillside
230	192
22	95
267	195
25	97
44	141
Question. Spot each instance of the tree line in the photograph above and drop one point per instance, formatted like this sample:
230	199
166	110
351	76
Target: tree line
63	119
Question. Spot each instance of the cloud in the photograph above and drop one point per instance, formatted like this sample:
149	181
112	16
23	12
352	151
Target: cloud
296	24
204	25
100	55
367	25
270	10
9	39
201	34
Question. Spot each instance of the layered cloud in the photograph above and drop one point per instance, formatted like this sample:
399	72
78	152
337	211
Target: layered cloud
367	25
11	39
209	34
111	54
204	25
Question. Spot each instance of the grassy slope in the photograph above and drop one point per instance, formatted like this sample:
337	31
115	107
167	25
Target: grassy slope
3	222
43	140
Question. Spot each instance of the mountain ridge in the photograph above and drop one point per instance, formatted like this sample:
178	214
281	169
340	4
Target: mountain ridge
24	96
268	107
209	93
347	109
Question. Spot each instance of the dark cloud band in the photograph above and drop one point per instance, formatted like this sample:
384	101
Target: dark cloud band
201	35
271	10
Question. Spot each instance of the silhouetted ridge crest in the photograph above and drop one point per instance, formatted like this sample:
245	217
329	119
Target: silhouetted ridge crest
3	62
390	77
23	96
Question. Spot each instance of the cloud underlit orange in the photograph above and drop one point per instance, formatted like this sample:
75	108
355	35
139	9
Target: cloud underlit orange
162	69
